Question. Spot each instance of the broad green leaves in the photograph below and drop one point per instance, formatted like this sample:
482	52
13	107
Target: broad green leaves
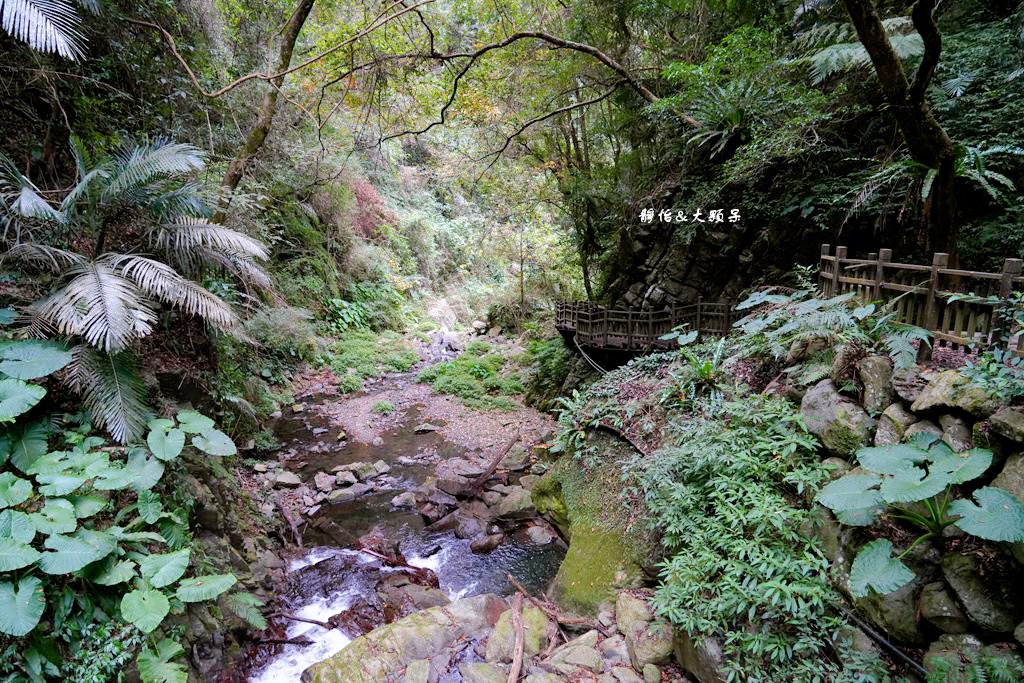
156	667
13	490
214	442
15	554
997	516
851	492
17	397
163	570
17	525
21	606
167	441
890	459
194	423
204	587
875	568
32	359
71	553
115	572
145	608
166	444
912	484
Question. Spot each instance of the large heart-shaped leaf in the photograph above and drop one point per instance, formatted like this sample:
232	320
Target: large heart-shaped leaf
963	467
157	667
28	444
913	484
15	555
998	515
115	571
145	608
32	359
87	506
145	471
58	484
193	422
13	490
166	444
859	516
17	525
890	459
851	492
17	397
71	553
204	587
149	506
876	569
21	607
57	516
163	570
214	442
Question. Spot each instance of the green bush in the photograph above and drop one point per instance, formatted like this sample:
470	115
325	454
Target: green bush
477	378
361	354
384	407
550	364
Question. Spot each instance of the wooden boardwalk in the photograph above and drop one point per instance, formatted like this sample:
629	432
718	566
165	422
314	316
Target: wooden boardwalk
613	329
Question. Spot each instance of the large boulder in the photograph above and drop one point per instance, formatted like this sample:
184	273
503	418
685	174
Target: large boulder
893	424
579	653
955	432
993	601
940	609
482	672
951	390
1009	423
516	503
896	613
501	643
841	424
908	383
699	657
380	654
875	374
648	640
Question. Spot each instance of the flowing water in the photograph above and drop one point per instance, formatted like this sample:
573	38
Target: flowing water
333	576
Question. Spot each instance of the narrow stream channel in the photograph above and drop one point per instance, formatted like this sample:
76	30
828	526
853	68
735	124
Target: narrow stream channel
333	576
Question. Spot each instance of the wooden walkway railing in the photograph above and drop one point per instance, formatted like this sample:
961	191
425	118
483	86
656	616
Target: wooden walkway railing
597	327
925	293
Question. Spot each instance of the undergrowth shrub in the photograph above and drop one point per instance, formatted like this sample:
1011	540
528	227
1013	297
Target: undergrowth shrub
284	332
550	361
478	377
728	493
360	354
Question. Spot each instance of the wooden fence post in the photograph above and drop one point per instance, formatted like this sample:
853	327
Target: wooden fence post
884	256
1011	268
840	254
931	306
700	299
825	249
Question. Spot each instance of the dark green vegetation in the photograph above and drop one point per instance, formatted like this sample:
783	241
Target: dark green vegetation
180	240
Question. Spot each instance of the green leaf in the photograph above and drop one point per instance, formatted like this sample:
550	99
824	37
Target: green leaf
160	424
913	484
21	607
71	553
965	466
17	397
33	359
875	568
246	606
58	484
15	555
13	490
145	608
87	506
859	516
163	570
998	515
214	442
204	587
851	492
145	471
17	526
156	667
57	516
166	445
862	312
28	444
890	459
193	422
149	506
115	571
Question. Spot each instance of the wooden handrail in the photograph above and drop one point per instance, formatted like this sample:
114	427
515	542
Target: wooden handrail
627	329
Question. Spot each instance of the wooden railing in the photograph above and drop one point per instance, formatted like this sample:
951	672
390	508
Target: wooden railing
924	293
595	326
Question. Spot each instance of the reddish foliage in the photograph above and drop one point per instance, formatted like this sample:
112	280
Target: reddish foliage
371	212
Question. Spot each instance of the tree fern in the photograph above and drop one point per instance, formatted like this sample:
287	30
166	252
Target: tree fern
141	165
45	25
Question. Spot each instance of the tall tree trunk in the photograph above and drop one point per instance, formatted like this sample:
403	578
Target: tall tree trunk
927	141
268	107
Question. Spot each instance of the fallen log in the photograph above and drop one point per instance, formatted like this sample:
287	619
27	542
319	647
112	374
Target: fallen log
517	626
482	479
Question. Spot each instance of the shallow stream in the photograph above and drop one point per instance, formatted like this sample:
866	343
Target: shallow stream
332	576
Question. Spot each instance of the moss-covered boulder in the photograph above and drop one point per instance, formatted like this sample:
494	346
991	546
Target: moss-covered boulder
841	423
501	643
380	654
951	390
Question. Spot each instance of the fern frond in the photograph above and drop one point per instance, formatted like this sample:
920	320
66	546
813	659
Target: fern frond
21	196
39	255
240	266
186	200
146	163
45	25
185	238
831	60
162	282
111	391
107	310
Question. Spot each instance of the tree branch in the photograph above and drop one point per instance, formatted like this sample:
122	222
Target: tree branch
924	21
